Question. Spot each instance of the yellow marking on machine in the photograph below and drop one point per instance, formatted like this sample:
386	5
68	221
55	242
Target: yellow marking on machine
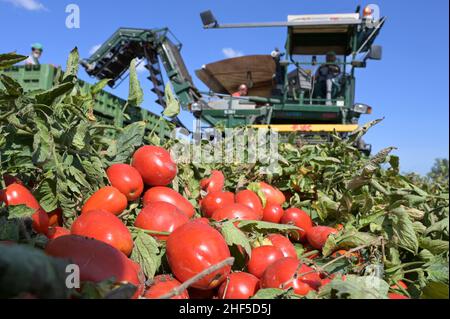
309	127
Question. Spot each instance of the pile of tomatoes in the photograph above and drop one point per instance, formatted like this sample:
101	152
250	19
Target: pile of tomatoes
100	243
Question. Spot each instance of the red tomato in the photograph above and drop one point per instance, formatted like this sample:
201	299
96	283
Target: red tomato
109	199
287	273
399	284
235	211
273	213
195	247
273	195
214	183
105	227
55	232
155	165
317	236
261	258
299	218
283	244
55	218
97	261
239	285
250	199
168	195
326	281
397	296
160	217
162	285
215	201
126	179
16	194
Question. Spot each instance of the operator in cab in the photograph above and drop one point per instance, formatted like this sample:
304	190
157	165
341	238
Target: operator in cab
242	91
326	73
36	53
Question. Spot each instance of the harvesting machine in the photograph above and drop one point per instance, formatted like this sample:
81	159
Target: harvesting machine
287	91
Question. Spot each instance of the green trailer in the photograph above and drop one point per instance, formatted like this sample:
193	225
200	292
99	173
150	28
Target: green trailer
107	108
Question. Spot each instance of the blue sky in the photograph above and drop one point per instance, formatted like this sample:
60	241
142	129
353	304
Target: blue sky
409	87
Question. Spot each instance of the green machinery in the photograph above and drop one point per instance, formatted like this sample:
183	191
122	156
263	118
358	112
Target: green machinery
107	108
292	92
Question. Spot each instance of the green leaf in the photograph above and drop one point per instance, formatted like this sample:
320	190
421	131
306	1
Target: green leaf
146	253
435	290
9	230
233	236
46	193
356	287
347	240
403	231
9	59
20	211
12	86
172	105
99	86
29	270
81	135
273	293
43	144
135	94
256	187
49	96
72	64
127	140
436	247
265	227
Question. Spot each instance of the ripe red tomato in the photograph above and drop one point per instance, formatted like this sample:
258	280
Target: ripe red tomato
162	285
168	195
399	284
397	296
273	213
126	179
235	211
105	227
239	285
55	232
214	183
215	201
160	217
252	200
16	194
287	273
317	236
273	194
261	258
109	199
97	260
283	244
195	247
55	218
155	165
299	218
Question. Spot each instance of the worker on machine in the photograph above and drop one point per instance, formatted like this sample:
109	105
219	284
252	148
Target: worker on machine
326	73
36	53
242	91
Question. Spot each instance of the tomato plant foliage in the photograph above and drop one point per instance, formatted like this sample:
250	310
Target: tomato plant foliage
397	223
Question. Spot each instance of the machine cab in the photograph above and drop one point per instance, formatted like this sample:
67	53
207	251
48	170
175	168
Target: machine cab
312	81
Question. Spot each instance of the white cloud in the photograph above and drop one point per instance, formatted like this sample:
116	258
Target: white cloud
231	53
31	5
94	48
